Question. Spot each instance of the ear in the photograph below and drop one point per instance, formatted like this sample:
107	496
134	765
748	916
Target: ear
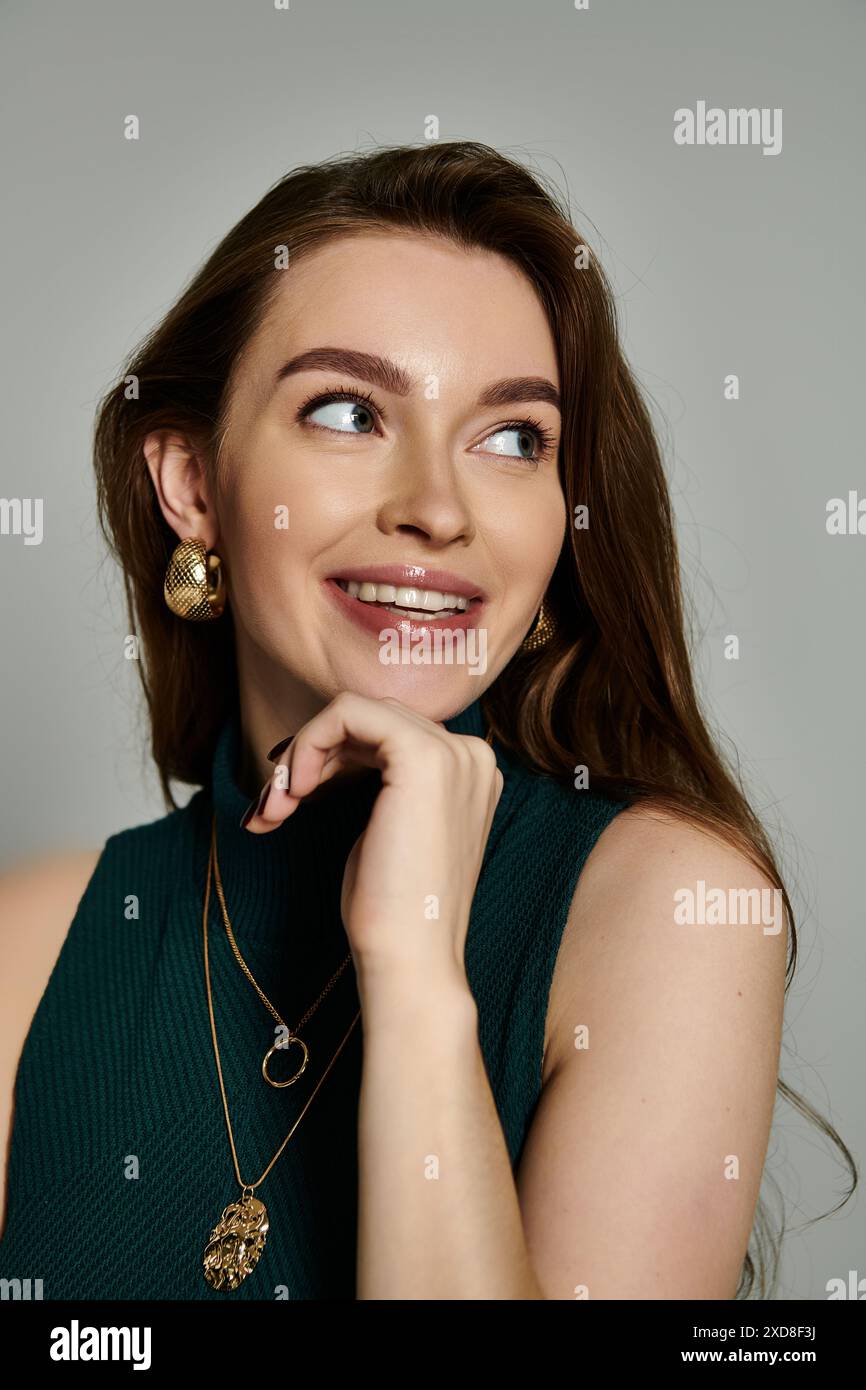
177	468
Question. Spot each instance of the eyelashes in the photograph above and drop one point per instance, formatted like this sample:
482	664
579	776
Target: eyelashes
338	394
545	438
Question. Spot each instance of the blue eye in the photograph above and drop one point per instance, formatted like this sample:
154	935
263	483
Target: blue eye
345	410
531	435
525	437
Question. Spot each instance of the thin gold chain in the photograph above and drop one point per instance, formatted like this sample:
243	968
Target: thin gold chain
242	963
248	1187
213	864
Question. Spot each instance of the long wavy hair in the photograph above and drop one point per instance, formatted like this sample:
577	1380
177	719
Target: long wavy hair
614	688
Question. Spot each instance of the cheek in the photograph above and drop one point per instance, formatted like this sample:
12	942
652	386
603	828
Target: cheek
260	502
258	525
529	537
281	482
552	522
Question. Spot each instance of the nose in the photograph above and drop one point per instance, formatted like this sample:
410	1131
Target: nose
424	496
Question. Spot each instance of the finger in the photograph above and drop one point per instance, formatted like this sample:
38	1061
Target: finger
349	758
371	730
273	806
279	748
275	803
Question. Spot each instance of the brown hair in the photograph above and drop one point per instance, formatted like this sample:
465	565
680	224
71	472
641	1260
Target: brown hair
614	688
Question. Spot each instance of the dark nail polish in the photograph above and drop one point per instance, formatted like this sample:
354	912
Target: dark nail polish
256	805
280	747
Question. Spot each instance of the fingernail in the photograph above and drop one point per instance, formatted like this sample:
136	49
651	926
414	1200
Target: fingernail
256	806
279	748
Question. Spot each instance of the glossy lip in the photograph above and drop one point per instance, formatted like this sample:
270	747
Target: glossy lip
376	620
413	577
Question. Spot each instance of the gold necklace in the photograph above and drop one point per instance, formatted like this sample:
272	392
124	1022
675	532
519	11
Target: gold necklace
290	1036
236	1242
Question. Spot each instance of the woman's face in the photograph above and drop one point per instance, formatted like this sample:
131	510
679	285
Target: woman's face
408	477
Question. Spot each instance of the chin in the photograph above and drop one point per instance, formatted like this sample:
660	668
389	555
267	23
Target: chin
436	693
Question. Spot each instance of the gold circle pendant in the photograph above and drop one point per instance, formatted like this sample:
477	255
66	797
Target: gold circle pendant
281	1047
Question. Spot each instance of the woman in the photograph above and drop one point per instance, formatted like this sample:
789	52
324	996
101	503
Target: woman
401	571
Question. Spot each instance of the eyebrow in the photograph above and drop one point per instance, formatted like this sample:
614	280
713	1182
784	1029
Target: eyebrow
383	372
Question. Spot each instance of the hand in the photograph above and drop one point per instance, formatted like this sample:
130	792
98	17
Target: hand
411	876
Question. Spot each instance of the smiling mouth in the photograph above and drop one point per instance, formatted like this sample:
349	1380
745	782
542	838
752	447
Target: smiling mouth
408	601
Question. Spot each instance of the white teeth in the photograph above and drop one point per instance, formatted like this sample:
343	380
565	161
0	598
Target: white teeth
421	602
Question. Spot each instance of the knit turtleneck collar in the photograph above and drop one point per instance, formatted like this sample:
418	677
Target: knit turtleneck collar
298	866
228	797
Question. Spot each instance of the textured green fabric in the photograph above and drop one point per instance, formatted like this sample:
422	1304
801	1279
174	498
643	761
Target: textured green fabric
120	1163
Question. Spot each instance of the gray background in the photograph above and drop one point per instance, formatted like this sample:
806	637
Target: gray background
723	260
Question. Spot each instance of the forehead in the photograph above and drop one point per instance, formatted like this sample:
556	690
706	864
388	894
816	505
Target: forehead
419	299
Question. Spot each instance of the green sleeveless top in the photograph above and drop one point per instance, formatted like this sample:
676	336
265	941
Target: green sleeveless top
120	1164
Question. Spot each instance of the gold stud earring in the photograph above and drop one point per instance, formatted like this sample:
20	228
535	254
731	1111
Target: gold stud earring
541	631
194	585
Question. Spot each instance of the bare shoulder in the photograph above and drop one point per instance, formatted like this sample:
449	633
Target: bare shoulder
38	899
643	1162
661	896
42	889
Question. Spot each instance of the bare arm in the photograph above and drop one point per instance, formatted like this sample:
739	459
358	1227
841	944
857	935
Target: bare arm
439	1216
641	1172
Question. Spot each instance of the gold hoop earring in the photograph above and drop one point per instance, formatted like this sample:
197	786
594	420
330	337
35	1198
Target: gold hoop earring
541	631
194	585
